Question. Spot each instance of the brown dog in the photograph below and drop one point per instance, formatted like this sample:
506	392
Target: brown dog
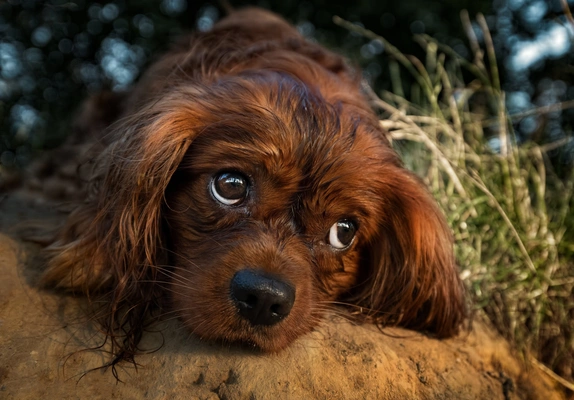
246	179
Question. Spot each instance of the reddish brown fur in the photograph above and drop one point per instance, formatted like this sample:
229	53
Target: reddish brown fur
253	96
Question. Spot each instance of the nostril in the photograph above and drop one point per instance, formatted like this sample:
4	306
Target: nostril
275	308
251	300
261	298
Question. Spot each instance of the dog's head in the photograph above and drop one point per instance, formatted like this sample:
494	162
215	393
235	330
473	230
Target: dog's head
254	201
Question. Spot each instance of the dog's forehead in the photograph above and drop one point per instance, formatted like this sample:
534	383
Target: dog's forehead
296	130
312	145
286	121
326	163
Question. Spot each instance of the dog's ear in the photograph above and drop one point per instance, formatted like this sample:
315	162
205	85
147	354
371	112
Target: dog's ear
112	247
114	239
409	277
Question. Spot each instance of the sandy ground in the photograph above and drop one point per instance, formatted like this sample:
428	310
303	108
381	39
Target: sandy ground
43	333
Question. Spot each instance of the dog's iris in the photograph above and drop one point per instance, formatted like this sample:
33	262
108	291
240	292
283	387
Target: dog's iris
342	233
229	187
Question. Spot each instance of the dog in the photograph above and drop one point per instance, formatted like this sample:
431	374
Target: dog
246	184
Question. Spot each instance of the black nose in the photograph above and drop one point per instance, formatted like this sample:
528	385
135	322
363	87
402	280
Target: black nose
261	298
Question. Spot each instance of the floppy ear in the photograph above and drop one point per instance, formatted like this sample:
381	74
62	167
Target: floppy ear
114	239
111	247
410	278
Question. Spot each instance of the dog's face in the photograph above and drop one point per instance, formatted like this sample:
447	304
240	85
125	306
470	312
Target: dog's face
246	179
270	211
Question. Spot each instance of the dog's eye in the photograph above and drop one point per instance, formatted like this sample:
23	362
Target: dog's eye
342	233
229	187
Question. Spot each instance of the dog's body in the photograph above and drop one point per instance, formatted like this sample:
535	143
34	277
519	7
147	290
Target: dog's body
246	179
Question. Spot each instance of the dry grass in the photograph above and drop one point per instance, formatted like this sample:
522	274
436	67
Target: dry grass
511	215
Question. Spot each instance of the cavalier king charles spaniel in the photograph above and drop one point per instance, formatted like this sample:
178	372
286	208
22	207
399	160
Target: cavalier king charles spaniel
246	184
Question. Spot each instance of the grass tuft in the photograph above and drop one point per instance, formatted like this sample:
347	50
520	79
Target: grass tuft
510	213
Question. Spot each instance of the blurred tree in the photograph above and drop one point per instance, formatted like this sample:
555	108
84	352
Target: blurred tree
53	53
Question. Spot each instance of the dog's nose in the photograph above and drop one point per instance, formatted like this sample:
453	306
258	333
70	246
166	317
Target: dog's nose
261	298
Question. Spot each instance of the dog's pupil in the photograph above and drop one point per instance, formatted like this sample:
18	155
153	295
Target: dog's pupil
345	231
231	185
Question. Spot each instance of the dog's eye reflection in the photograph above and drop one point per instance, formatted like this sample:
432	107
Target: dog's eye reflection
342	233
229	187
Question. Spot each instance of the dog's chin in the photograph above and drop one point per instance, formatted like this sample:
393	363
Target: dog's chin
257	338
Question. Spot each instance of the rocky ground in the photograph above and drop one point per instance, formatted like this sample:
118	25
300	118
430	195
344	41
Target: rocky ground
43	333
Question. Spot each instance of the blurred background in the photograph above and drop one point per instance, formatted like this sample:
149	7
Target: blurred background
54	53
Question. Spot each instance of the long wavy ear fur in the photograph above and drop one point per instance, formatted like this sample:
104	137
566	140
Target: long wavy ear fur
114	237
111	247
410	277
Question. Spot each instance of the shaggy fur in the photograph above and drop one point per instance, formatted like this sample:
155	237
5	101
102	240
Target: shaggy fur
252	97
